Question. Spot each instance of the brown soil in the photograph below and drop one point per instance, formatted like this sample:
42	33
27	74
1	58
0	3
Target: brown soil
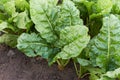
14	65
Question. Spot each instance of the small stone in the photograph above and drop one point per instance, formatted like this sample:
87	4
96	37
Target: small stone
10	53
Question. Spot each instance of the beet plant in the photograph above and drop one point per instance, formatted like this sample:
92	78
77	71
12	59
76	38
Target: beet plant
85	32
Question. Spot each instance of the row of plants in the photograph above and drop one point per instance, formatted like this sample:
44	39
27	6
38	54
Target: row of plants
86	32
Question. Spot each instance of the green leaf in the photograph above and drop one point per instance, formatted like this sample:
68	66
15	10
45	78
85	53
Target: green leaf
3	16
100	8
111	75
95	73
83	62
86	3
116	7
10	7
21	4
69	15
9	39
7	28
104	6
43	13
104	50
74	39
3	25
22	20
33	45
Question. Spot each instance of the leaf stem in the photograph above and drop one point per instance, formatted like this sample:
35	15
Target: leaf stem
85	75
76	69
66	62
58	62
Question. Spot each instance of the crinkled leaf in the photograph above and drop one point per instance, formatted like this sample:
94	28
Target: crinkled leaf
69	18
69	15
74	39
43	13
21	20
33	45
104	50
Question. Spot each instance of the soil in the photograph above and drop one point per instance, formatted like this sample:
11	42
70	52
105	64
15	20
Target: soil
14	65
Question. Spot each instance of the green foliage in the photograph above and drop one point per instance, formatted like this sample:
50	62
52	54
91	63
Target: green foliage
22	20
60	26
104	51
9	39
33	45
116	7
21	5
111	75
3	25
43	14
74	39
84	31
